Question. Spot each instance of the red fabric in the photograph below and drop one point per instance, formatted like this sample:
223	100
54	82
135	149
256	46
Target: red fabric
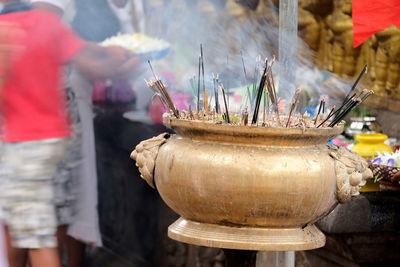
33	102
372	16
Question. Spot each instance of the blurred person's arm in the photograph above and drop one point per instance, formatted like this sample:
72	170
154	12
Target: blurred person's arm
95	61
92	60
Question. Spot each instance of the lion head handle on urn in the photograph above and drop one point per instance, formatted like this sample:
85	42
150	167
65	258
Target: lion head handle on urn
145	155
351	173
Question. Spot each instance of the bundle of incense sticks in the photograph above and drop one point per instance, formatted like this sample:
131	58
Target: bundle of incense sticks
321	107
225	102
157	86
267	80
215	85
349	107
293	105
346	108
349	102
272	91
260	91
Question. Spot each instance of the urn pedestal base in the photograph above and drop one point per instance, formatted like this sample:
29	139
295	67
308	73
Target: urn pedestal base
246	238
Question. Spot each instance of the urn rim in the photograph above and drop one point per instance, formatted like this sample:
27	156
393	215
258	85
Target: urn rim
210	131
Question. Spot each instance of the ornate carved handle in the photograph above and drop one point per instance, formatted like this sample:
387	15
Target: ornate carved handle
145	155
351	173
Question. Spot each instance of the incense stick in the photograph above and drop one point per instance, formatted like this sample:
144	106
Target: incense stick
330	113
217	81
198	87
356	82
265	105
215	95
272	94
202	72
259	95
255	78
151	68
245	117
191	116
328	117
367	95
226	105
272	76
319	110
206	101
245	77
293	104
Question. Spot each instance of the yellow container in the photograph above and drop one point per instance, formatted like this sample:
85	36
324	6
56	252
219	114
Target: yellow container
368	147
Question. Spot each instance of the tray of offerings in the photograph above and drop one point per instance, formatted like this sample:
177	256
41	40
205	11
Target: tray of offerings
386	171
142	45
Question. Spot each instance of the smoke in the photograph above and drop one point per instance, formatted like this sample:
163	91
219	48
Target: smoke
225	32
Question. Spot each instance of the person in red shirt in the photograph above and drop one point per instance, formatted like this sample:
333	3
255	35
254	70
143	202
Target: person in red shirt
35	123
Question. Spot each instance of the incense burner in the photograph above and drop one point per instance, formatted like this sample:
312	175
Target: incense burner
251	188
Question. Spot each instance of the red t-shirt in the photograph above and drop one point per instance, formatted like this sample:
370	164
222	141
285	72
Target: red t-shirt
33	102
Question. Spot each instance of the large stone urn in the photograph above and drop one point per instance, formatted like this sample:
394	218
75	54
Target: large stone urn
249	188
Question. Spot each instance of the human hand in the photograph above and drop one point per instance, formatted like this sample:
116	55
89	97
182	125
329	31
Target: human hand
117	54
135	65
96	61
126	62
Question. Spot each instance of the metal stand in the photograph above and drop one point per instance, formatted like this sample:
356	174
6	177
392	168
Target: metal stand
275	258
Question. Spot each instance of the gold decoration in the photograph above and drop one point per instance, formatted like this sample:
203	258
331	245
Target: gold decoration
145	155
